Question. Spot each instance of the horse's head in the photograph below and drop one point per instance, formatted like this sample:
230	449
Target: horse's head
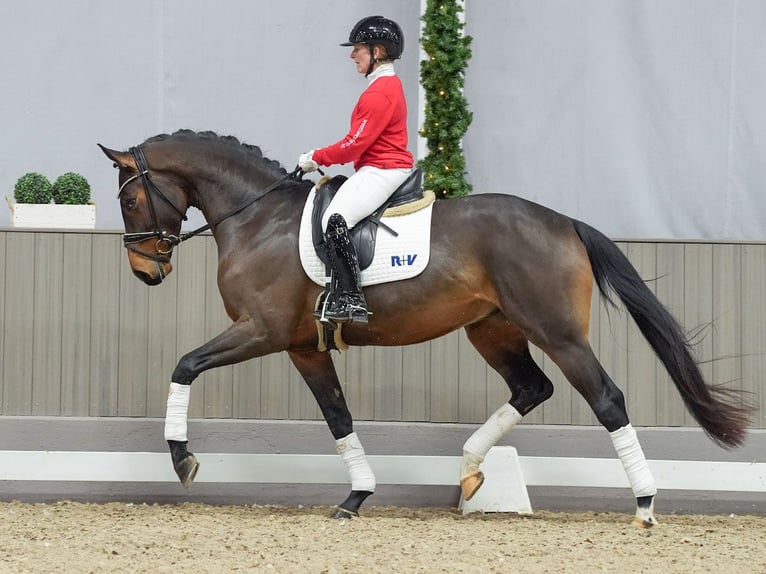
153	205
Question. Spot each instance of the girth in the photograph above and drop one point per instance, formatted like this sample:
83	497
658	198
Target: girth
364	233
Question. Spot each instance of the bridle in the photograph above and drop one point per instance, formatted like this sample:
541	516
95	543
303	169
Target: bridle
166	241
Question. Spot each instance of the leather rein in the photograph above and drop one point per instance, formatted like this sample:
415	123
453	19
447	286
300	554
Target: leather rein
166	241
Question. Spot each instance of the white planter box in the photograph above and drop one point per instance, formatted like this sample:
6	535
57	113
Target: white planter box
53	216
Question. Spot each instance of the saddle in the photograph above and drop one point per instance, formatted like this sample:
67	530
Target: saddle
364	233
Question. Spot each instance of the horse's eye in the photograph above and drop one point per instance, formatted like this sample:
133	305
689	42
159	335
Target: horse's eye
130	203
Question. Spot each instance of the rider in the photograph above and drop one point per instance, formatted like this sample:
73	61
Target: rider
377	144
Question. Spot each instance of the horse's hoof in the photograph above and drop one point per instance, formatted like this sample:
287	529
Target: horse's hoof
187	470
471	483
644	522
343	513
644	517
349	508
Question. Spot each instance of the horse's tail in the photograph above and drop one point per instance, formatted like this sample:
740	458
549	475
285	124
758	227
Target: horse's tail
720	412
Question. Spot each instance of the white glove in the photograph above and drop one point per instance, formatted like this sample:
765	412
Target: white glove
306	163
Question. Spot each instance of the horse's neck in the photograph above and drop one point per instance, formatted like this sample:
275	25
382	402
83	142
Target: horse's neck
246	201
218	197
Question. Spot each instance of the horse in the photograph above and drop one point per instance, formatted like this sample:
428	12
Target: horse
527	277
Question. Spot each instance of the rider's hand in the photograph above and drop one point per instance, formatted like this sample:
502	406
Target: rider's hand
306	163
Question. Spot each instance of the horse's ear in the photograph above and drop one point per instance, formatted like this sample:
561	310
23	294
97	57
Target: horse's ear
121	159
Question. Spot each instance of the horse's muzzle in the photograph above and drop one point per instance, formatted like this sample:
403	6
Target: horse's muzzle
148	278
149	271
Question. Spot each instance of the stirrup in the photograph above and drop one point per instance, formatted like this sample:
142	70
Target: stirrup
320	313
346	309
333	311
349	314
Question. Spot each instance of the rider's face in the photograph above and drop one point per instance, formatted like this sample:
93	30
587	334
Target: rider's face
361	56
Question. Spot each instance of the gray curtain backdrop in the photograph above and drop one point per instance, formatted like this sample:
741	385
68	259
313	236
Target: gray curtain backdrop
645	118
271	73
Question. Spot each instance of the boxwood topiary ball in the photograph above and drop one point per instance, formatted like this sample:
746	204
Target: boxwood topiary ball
71	189
33	187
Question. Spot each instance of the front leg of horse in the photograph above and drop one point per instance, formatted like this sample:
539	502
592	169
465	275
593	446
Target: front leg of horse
319	373
352	453
238	343
184	463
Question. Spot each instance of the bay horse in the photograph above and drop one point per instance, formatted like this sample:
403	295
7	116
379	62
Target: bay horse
507	270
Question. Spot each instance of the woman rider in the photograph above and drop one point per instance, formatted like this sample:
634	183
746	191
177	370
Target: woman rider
377	144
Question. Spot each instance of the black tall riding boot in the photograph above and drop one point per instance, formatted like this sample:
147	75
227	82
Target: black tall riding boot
349	303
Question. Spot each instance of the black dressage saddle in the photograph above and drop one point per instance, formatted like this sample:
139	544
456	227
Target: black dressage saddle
364	233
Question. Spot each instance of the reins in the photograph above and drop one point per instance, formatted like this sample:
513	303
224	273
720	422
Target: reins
296	175
165	241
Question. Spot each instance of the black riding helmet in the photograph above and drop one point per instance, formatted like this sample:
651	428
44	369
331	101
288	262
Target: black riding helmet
377	30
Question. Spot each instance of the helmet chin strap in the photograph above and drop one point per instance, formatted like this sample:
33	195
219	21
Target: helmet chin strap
371	48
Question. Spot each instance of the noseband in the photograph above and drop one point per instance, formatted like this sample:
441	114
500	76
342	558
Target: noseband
165	241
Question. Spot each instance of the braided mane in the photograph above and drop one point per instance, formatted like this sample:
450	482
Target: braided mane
230	141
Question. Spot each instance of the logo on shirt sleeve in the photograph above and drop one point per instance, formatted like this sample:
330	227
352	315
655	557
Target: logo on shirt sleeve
352	141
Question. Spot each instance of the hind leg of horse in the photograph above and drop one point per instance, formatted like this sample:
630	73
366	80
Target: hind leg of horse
319	373
580	366
506	350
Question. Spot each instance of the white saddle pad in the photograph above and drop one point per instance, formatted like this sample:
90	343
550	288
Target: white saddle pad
395	258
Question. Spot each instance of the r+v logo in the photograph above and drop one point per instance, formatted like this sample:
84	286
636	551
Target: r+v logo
403	260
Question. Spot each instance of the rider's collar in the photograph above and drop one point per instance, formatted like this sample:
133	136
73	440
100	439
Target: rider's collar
386	69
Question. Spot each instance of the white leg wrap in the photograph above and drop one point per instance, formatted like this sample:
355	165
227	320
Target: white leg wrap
486	436
350	450
178	410
626	444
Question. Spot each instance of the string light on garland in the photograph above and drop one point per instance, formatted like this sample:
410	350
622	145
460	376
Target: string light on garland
446	115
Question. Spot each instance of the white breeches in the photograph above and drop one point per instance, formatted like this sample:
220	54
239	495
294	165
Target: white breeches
363	192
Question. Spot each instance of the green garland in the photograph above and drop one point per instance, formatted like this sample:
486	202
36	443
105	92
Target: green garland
447	117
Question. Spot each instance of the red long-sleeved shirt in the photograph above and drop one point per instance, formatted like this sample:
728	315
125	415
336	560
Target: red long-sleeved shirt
378	133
